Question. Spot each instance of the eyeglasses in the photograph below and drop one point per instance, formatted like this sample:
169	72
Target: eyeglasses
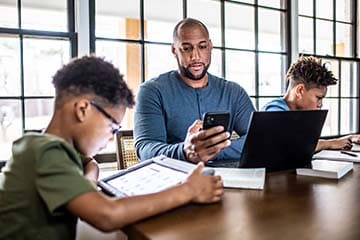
114	124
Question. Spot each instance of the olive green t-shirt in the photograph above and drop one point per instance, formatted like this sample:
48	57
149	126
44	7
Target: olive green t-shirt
43	174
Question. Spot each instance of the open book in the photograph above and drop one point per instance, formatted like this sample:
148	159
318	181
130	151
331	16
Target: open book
326	169
251	178
337	155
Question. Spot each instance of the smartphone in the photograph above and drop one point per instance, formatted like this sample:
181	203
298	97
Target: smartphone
212	119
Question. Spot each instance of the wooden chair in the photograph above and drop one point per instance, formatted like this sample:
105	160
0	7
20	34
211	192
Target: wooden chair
125	151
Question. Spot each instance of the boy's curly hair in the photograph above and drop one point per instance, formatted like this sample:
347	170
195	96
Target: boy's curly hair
92	75
310	71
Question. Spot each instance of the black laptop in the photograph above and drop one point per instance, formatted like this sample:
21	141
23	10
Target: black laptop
280	140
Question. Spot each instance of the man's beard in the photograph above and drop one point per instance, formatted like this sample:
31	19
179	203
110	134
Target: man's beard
186	72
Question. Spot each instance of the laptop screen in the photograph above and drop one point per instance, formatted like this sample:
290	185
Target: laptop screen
281	140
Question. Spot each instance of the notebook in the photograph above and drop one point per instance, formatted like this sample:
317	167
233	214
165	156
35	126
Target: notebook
280	140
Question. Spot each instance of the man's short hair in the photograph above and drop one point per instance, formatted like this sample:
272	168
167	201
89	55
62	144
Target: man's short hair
311	72
95	76
188	22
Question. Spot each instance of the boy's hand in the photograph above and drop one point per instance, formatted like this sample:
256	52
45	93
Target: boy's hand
204	188
200	147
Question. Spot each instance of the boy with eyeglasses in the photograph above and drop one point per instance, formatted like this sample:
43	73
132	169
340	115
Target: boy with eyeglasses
48	182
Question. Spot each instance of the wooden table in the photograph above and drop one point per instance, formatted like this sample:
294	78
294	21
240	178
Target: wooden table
290	207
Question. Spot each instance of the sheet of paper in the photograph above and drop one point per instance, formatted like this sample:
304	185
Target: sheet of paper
337	156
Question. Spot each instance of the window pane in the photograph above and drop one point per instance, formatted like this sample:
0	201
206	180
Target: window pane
324	9
343	10
158	60
331	123
306	35
10	126
272	3
239	26
207	12
324	37
8	16
332	65
38	113
161	18
306	7
216	63
349	79
126	57
42	58
271	74
47	15
9	66
271	30
244	1
240	68
115	21
349	116
343	40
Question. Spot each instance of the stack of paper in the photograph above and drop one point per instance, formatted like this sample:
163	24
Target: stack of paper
326	169
337	155
251	178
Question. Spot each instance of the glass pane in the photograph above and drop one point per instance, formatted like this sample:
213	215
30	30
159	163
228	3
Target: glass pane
161	18
332	65
349	80
9	66
271	74
8	16
330	127
159	59
126	57
324	9
343	40
42	58
114	21
207	12
216	63
272	3
38	113
10	126
271	30
343	10
245	1
306	7
240	68
44	15
306	35
324	37
349	116
239	26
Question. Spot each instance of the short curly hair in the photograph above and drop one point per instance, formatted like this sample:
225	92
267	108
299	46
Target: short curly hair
95	76
311	72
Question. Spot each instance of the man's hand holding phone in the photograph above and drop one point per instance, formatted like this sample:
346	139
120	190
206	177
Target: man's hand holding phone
200	144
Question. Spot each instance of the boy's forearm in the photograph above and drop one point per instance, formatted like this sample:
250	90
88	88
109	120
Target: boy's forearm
91	171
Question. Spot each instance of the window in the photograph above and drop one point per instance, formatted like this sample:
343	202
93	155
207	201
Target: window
248	38
327	29
36	38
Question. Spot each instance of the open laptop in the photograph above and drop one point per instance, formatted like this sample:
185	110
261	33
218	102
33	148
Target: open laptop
280	140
